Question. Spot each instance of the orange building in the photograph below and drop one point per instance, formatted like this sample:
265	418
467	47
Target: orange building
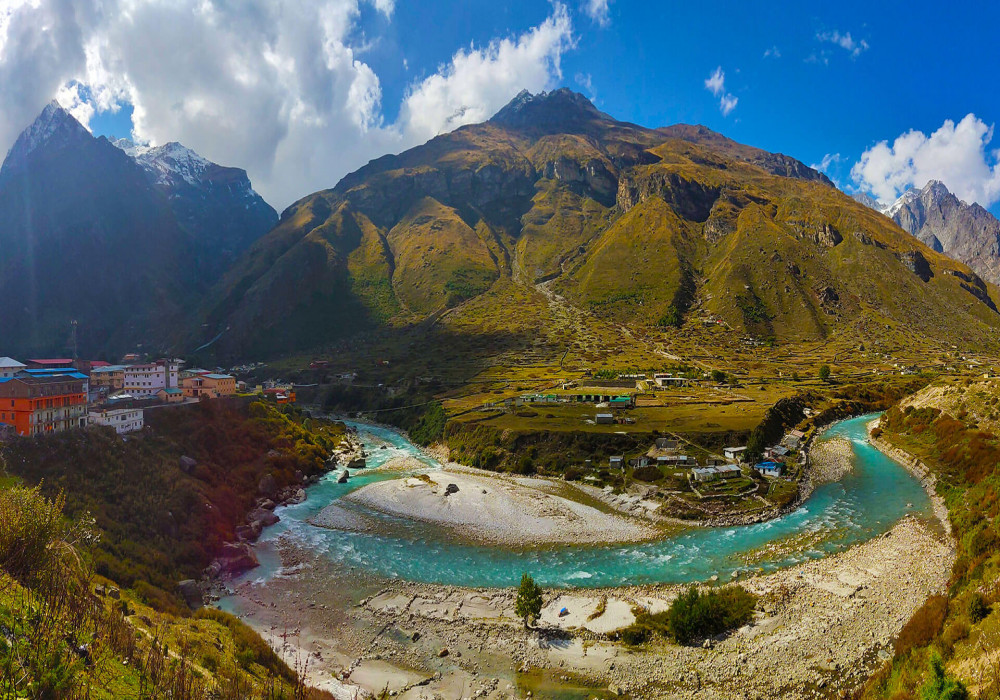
208	386
37	404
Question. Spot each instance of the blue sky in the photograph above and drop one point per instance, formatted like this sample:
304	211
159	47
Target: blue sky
811	80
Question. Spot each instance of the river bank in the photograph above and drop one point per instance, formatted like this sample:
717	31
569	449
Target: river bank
822	627
918	469
822	624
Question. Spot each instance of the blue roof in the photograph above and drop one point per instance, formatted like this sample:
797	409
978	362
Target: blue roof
768	465
56	372
219	376
172	390
4	379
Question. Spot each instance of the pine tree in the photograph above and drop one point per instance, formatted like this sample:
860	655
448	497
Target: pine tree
529	600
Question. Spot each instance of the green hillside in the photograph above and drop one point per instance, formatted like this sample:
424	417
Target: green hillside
652	230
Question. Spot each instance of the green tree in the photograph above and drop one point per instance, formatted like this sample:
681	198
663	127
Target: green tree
824	373
529	600
718	376
941	686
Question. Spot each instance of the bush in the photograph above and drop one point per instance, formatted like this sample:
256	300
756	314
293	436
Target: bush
941	686
696	615
634	635
430	428
648	474
978	608
924	626
574	474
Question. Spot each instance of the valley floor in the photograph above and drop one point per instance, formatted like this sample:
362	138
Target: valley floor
826	624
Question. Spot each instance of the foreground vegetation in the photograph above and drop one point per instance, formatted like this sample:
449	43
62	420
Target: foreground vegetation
159	522
695	616
957	634
61	640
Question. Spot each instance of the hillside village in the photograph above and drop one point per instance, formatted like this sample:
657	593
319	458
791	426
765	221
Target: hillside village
52	395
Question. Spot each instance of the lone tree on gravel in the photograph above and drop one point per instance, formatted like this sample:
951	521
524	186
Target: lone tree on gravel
529	600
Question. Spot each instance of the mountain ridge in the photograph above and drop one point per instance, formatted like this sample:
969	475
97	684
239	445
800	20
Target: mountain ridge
965	232
91	236
586	203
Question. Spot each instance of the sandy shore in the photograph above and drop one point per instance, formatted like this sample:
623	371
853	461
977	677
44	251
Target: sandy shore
822	627
488	508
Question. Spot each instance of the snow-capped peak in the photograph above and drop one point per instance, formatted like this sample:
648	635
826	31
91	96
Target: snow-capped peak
168	162
902	201
54	121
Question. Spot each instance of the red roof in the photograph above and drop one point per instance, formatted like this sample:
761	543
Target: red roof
54	363
99	363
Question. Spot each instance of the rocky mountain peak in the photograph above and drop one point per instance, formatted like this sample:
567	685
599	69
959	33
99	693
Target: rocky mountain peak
558	109
53	126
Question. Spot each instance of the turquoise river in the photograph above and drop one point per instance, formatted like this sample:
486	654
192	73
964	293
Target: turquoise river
862	505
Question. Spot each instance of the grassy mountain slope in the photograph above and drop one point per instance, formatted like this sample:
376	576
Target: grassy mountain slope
652	229
950	426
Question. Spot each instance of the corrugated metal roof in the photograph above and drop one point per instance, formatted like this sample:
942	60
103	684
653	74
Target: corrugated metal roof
219	376
10	362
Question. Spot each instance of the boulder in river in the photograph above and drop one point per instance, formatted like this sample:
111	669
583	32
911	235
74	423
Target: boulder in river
342	476
264	517
450	489
237	558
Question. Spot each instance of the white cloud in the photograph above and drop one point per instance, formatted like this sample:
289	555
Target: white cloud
716	84
477	82
773	52
844	41
276	88
727	104
828	160
586	81
598	10
955	154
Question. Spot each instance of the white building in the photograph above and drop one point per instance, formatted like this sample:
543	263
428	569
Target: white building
9	367
144	381
124	419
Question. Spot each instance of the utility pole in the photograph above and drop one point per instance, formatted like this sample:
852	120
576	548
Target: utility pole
73	324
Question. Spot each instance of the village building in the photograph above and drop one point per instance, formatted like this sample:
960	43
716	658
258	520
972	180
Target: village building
616	461
124	417
776	453
604	418
734	454
769	468
9	367
43	402
665	381
666	444
281	394
171	395
112	377
145	380
208	386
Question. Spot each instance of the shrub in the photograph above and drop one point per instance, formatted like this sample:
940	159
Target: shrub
648	474
574	474
978	608
696	615
634	635
941	686
924	626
